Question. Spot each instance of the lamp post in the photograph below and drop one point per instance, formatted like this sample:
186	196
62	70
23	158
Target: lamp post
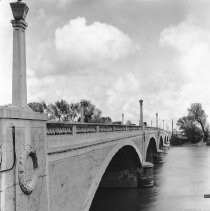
141	113
156	120
19	86
123	119
82	113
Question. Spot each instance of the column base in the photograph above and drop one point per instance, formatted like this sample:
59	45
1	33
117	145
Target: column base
158	159
165	149
146	178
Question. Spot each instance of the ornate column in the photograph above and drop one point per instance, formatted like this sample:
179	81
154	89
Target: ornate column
19	89
141	113
123	119
82	113
23	184
157	120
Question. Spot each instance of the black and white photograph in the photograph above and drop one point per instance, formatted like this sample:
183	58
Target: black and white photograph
104	105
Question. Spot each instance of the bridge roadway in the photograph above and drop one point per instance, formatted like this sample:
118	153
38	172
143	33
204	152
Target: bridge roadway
73	160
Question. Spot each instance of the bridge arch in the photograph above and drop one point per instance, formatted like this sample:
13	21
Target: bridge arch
161	143
151	151
108	160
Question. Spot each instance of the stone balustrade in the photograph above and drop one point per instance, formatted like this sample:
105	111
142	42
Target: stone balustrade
61	128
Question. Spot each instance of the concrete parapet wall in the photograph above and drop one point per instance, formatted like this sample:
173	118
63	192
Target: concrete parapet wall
28	132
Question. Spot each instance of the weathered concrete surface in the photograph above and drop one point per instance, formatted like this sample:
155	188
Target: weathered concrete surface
75	178
71	167
77	164
27	132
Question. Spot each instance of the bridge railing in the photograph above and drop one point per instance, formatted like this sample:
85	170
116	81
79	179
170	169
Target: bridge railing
61	128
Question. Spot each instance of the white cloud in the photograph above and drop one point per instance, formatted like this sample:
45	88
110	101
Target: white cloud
122	97
60	3
96	44
191	43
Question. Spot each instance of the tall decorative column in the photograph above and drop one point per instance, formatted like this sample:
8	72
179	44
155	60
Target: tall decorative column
172	126
82	114
141	113
23	184
157	120
19	89
163	125
123	119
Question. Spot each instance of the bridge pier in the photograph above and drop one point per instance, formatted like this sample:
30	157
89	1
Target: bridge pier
128	178
158	158
165	149
146	178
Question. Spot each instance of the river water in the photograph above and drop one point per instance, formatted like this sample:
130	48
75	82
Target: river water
179	184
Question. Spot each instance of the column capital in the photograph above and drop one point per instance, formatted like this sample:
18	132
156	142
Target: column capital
141	102
19	24
19	10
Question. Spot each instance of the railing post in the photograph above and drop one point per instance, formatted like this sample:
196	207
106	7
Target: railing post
113	128
97	129
74	129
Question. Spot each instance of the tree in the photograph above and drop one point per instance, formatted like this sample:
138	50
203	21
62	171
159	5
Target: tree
190	129
194	125
75	111
106	120
91	113
128	122
197	115
38	107
60	109
96	118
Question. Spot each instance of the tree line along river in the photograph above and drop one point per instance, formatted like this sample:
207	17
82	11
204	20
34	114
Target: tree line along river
180	183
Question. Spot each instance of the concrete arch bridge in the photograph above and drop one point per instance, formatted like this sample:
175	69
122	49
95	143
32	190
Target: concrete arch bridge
73	160
100	155
51	166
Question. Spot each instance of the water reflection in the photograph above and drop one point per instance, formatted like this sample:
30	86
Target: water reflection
179	184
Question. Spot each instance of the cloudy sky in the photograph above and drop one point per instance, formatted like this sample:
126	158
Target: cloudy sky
114	52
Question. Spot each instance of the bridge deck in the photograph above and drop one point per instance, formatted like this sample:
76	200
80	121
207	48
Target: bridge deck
63	137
